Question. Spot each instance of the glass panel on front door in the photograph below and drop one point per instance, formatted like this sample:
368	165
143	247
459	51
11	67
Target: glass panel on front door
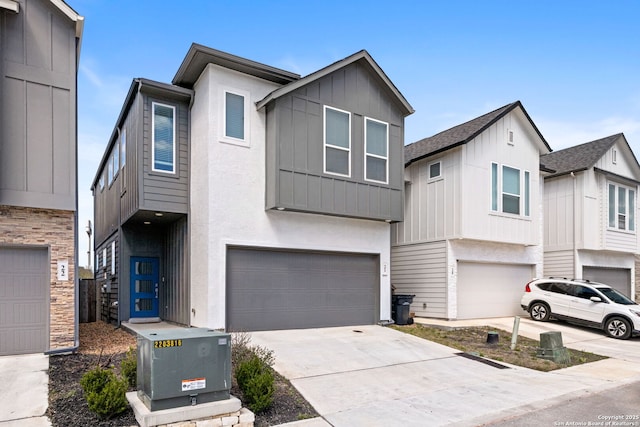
144	287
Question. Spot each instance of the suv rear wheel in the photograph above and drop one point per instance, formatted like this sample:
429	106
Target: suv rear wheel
617	327
539	311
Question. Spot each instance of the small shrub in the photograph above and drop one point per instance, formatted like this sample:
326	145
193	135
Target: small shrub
111	400
95	380
105	393
128	368
255	379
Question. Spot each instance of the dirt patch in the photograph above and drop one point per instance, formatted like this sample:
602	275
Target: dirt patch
103	344
473	340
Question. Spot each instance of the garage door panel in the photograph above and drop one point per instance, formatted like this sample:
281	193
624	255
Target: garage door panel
24	311
491	290
617	278
286	289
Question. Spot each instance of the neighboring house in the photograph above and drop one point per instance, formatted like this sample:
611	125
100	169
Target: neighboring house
472	232
590	206
39	53
251	198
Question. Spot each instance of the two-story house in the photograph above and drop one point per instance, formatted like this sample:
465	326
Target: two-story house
39	53
260	199
472	231
590	228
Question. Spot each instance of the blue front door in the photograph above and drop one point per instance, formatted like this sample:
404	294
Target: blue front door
144	287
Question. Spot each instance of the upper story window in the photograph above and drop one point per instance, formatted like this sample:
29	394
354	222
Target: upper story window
622	202
115	153
163	138
101	182
435	170
110	169
123	147
337	141
510	190
376	165
234	116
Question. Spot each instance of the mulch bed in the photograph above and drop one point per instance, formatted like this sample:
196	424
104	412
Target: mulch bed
101	343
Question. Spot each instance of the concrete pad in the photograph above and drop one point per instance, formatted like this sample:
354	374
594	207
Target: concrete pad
146	418
311	422
381	377
304	353
24	393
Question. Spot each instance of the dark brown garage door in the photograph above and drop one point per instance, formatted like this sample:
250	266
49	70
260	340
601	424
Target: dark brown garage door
274	289
24	291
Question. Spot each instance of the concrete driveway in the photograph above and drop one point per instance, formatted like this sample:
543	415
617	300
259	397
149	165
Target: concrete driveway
376	376
24	390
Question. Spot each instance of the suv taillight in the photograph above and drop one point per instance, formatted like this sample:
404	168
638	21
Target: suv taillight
527	288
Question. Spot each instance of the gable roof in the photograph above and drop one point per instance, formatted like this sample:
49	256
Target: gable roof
462	134
581	157
199	56
362	55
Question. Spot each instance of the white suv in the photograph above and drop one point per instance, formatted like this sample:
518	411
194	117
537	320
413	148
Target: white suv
582	302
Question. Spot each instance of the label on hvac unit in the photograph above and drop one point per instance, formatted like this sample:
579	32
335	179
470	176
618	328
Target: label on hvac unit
194	384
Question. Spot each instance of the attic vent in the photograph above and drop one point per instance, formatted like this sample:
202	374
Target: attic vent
510	137
614	156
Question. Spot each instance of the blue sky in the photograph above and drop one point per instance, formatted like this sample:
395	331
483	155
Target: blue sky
575	65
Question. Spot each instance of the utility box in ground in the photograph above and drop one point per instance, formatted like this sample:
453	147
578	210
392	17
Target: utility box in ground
183	367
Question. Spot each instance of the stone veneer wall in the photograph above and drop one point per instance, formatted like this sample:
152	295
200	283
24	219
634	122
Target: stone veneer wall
55	229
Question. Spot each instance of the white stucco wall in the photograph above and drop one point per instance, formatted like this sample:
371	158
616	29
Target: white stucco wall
228	202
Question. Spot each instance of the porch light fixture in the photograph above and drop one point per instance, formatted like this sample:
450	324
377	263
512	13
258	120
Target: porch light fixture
280	208
147	222
159	214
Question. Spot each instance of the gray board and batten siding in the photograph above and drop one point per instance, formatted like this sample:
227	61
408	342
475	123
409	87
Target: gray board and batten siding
136	187
295	169
269	289
37	107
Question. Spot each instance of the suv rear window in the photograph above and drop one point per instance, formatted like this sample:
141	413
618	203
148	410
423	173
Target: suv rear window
558	288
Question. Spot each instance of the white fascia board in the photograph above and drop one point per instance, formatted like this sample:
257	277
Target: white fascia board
71	14
11	5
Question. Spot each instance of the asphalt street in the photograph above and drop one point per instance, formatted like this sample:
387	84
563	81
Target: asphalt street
619	406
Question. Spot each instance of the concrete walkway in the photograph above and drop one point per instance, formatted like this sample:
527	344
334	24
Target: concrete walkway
24	390
375	376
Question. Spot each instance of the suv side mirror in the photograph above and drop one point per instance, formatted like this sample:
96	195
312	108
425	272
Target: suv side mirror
596	299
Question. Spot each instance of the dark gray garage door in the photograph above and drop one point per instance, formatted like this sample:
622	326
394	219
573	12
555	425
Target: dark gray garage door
617	278
269	290
24	291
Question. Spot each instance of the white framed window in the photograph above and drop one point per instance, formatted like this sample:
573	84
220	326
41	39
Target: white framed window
113	257
123	147
235	117
110	170
337	141
510	190
101	183
376	152
622	202
104	257
115	154
163	137
435	170
614	156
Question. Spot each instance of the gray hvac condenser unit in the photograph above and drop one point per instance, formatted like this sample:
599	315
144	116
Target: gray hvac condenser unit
182	367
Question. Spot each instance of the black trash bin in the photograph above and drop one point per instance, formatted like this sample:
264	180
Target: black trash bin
400	307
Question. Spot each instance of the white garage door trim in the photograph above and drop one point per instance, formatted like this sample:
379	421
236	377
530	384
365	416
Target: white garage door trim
24	300
490	289
271	289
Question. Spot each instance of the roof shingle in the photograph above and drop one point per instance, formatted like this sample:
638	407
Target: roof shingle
579	157
460	134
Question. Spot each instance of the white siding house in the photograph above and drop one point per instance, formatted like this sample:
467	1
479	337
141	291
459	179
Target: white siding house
590	209
472	234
